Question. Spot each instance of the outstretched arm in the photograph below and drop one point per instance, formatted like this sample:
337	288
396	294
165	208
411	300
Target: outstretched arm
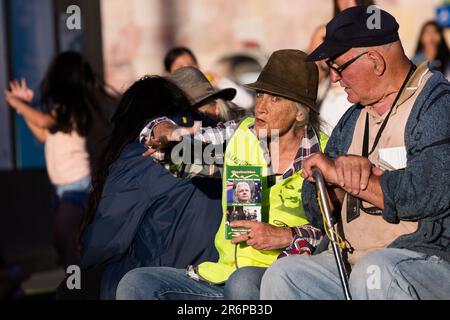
19	97
39	133
36	117
161	130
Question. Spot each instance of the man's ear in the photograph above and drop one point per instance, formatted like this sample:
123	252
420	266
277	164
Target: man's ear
379	64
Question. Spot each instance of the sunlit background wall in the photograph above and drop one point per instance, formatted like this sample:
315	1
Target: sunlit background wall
136	33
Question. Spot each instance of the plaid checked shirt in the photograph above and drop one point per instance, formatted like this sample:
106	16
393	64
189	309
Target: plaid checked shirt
306	237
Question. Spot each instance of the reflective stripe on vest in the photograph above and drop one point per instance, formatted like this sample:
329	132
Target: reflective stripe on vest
281	206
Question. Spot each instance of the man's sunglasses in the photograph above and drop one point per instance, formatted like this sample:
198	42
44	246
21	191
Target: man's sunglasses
339	69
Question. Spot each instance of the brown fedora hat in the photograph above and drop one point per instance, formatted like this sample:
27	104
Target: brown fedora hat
197	87
287	74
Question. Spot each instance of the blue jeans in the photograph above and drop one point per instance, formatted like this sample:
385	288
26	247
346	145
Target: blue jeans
172	284
244	284
162	283
386	274
81	186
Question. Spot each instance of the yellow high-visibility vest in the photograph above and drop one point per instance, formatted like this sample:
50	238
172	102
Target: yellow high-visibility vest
244	150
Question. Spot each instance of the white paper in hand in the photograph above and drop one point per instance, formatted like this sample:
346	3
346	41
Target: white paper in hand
392	158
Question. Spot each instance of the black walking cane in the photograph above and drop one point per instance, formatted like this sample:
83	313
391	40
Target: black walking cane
328	226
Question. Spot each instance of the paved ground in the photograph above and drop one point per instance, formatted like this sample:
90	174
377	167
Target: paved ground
43	283
26	228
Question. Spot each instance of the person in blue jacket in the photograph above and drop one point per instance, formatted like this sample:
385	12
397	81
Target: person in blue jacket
139	214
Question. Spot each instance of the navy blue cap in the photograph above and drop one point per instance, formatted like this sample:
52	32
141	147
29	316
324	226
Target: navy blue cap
356	27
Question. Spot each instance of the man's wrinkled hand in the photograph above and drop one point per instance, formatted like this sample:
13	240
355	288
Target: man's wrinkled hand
167	131
162	133
324	164
353	173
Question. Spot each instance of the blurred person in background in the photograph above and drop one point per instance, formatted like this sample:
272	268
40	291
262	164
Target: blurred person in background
208	105
179	57
338	7
433	47
331	98
77	106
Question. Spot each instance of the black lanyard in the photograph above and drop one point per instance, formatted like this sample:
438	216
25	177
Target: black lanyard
365	148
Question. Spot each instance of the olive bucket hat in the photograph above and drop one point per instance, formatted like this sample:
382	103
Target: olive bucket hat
287	74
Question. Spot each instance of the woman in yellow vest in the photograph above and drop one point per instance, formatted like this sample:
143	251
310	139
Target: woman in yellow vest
277	140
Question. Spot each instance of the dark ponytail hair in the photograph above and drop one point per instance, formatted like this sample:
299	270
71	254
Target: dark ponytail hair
150	97
73	92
